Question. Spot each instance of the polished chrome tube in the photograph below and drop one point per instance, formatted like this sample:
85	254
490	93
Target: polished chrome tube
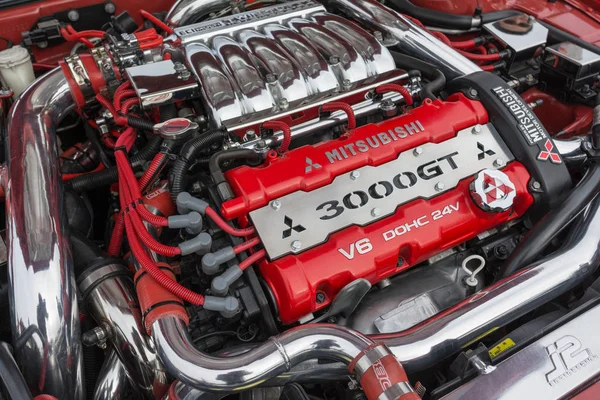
417	348
437	338
185	12
276	356
110	298
42	291
113	380
410	38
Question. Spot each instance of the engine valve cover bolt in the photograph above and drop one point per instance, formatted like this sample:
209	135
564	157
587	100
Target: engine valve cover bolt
418	151
296	245
499	163
283	104
320	297
439	186
376	212
536	185
73	15
379	36
477	129
334	60
276	205
347	84
354	175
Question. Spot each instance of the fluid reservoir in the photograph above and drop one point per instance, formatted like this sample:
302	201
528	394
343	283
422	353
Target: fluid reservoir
16	69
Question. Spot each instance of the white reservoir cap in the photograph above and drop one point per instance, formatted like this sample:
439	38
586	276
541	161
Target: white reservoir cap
16	69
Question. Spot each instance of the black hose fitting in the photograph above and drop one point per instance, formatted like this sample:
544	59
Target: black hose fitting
216	171
437	80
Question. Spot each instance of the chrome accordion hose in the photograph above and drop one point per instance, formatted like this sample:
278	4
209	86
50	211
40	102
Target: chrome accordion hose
44	311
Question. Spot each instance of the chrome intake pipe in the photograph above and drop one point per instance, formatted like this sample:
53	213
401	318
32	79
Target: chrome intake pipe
409	38
42	290
417	348
185	12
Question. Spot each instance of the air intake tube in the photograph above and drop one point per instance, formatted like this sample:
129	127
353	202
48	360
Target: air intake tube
44	311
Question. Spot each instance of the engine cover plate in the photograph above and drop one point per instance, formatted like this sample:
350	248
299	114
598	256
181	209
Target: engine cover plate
302	220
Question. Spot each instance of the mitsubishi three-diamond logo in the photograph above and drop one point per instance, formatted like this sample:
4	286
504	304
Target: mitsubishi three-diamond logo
548	154
310	165
484	151
291	227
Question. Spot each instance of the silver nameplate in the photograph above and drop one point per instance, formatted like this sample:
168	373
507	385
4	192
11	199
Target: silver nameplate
249	19
302	220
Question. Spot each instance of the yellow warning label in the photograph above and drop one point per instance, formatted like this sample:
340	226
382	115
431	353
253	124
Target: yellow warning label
501	347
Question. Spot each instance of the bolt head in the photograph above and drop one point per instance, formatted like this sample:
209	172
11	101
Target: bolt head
334	60
418	151
477	129
536	185
499	163
296	245
354	175
276	205
110	8
73	15
346	83
376	212
439	186
320	297
283	104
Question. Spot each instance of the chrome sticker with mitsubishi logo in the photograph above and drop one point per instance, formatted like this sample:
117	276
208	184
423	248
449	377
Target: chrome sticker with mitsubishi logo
302	220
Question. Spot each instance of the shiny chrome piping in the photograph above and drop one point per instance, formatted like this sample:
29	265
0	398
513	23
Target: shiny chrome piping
110	298
185	12
42	291
437	338
572	151
407	36
417	348
112	380
276	356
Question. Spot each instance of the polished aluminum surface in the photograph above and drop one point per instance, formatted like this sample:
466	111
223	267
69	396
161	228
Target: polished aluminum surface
572	151
276	356
161	83
316	213
113	304
112	383
362	109
548	369
407	36
262	63
433	340
42	291
185	12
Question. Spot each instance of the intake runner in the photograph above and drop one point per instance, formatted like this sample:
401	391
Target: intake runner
328	214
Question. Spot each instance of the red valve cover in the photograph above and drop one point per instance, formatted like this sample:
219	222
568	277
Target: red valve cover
307	281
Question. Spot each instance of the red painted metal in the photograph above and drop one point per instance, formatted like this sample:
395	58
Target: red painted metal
556	116
452	218
296	280
15	20
579	17
255	187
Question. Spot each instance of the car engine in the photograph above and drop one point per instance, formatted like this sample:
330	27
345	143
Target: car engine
337	199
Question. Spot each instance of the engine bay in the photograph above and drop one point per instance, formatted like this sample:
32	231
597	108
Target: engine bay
337	199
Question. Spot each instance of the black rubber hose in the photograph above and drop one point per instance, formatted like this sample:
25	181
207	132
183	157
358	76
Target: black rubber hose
596	124
553	222
215	162
167	112
189	151
556	35
92	136
12	380
437	80
446	20
110	175
139	123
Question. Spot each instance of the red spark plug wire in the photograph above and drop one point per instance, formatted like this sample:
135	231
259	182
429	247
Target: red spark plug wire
393	87
340	106
287	133
153	169
212	214
252	259
246	245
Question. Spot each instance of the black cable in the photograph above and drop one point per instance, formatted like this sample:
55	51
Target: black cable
111	175
11	377
437	80
553	223
92	136
445	20
189	151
